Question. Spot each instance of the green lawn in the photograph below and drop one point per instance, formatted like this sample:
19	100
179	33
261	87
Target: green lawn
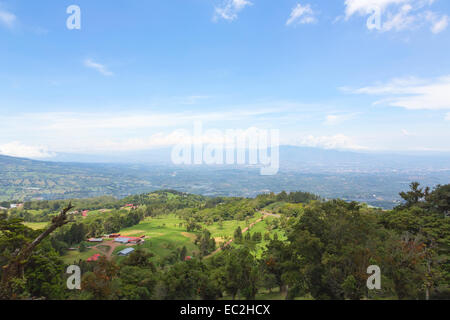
75	256
164	235
228	227
262	227
36	225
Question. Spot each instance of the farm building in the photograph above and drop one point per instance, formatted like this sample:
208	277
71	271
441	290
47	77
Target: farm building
114	235
95	240
125	252
133	240
121	240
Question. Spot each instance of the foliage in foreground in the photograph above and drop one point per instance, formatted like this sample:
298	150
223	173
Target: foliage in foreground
329	246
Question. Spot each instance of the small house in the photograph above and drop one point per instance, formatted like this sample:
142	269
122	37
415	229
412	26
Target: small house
114	235
125	252
95	240
121	240
135	240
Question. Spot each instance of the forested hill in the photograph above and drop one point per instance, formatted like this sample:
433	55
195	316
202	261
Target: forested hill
273	246
24	179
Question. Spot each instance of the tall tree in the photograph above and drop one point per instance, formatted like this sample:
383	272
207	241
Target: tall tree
15	268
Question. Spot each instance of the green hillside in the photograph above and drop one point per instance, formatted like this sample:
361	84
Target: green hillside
274	246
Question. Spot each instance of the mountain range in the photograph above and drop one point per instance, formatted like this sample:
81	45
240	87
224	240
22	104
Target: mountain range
373	178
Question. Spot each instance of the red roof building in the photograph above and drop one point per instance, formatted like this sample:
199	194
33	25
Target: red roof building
114	235
95	257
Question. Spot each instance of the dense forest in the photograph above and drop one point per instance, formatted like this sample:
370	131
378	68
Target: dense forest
311	248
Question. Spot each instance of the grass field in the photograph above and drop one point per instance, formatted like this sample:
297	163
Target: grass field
36	225
164	234
228	227
262	227
75	256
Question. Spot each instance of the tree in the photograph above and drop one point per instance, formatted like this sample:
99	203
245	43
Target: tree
334	243
82	247
183	253
238	234
282	196
257	237
15	268
101	282
182	281
140	258
240	273
415	195
439	200
206	243
136	283
274	261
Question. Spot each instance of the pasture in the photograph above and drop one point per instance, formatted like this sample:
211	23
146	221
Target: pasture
167	233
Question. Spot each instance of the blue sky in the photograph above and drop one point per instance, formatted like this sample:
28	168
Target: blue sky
139	70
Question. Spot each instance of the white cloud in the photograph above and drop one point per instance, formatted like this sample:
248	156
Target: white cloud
100	131
54	121
191	100
338	141
447	117
161	139
229	9
366	7
438	24
302	14
7	18
17	149
335	119
157	140
97	66
412	93
398	15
